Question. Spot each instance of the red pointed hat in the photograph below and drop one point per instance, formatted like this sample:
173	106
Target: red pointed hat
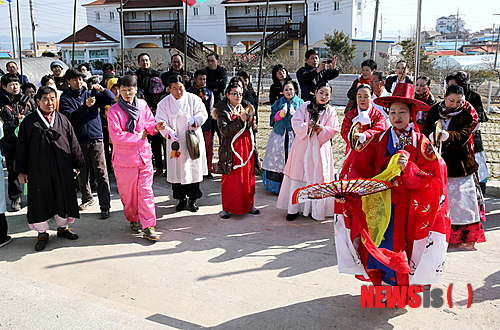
405	93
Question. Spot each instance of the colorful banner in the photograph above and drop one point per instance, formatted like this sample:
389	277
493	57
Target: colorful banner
189	2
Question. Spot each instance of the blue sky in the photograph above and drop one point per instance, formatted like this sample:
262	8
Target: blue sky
401	15
54	17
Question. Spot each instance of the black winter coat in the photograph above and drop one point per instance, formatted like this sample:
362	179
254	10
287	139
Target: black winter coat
216	82
309	78
228	129
10	110
144	82
48	156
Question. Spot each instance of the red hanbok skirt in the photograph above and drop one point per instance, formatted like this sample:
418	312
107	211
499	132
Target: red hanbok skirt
238	188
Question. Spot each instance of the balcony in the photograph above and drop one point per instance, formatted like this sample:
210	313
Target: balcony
255	23
150	27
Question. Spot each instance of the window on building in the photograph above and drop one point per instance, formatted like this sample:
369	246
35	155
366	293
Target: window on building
99	55
173	15
315	6
79	54
262	13
125	16
336	5
134	15
288	8
275	11
212	10
112	15
195	11
247	10
97	16
359	5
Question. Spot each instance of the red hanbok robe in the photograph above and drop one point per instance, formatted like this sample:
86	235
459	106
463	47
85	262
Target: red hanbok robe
420	226
378	123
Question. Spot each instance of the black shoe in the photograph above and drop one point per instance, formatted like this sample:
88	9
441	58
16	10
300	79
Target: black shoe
67	233
42	240
209	176
292	216
224	214
254	210
104	213
182	204
193	207
7	240
158	171
16	204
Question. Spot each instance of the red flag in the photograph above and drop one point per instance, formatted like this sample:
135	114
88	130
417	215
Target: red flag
190	2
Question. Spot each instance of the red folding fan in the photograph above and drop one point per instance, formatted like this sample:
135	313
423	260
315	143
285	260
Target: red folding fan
340	188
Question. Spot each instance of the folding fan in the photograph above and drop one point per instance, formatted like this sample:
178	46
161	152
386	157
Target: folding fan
340	188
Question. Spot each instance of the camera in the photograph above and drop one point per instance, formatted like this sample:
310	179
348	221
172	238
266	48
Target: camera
93	92
329	61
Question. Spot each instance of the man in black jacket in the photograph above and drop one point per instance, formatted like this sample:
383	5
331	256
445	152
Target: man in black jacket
82	109
14	106
314	72
177	67
216	76
144	75
216	82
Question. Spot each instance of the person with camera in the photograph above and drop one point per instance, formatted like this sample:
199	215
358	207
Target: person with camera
81	106
314	72
14	106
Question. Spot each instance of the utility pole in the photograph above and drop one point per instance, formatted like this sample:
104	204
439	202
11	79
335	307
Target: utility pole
186	33
19	37
417	40
498	37
374	35
12	33
33	28
121	37
381	23
74	36
262	50
456	31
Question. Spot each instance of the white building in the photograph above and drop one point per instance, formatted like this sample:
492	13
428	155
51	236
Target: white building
91	45
157	26
478	62
449	24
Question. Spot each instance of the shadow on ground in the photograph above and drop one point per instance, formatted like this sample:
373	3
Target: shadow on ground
337	312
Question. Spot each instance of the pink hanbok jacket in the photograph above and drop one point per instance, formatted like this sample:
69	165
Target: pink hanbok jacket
129	149
311	157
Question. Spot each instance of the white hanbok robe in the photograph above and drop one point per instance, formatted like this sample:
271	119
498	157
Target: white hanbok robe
176	114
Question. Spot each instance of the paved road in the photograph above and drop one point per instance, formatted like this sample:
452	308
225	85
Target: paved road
247	272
